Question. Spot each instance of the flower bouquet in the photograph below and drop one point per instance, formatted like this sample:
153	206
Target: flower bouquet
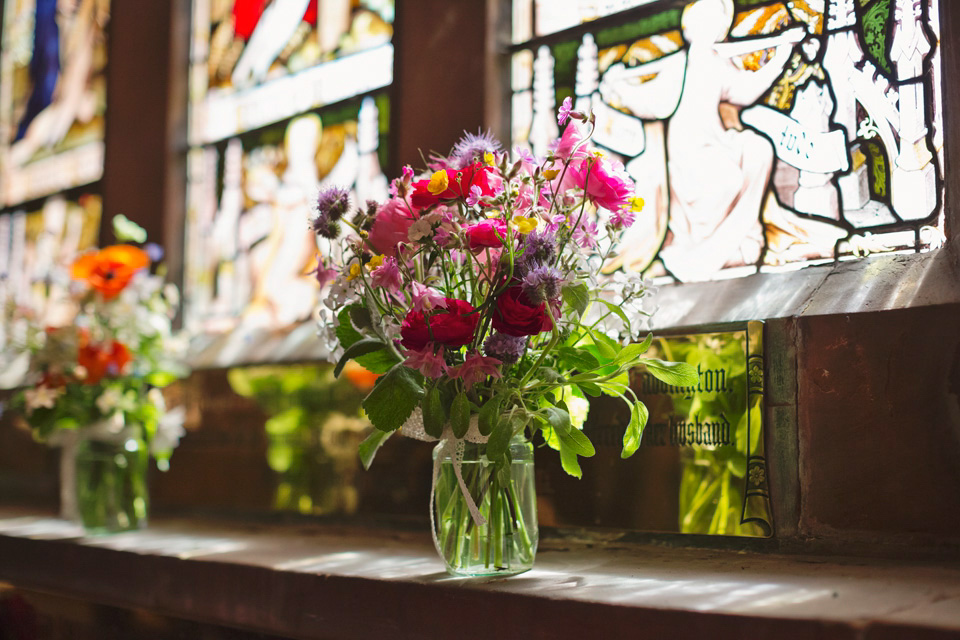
95	378
477	291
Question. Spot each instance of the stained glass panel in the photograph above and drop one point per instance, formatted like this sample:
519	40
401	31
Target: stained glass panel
762	134
36	245
257	62
52	96
249	247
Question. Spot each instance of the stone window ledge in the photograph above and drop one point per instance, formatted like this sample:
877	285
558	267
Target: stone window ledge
324	581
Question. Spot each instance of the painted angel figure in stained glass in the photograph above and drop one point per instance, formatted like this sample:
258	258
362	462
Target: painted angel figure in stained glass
721	199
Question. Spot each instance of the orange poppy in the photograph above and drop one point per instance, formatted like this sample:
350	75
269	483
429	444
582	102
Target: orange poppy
110	270
360	377
102	360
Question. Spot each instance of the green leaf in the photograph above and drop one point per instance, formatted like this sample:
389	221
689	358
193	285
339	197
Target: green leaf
360	318
489	414
393	399
161	378
590	389
355	350
369	447
434	414
126	230
499	440
460	415
378	361
570	438
607	347
678	374
631	353
579	359
569	462
616	310
634	433
577	296
616	386
346	333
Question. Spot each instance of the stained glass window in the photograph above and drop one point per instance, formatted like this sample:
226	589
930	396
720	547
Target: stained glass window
286	96
52	96
37	242
762	134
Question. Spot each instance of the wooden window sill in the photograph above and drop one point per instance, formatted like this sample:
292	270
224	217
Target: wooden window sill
324	581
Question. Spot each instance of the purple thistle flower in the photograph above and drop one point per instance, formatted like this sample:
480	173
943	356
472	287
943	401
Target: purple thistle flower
471	147
539	247
506	349
542	284
333	202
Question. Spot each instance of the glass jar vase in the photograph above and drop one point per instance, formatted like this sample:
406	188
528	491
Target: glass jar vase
111	485
505	496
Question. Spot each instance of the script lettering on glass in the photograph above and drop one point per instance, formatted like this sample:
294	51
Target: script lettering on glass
701	466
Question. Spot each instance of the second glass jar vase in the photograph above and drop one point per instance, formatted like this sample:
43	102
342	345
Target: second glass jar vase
112	485
505	497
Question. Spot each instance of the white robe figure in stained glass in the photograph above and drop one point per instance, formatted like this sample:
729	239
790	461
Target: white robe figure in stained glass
283	292
719	175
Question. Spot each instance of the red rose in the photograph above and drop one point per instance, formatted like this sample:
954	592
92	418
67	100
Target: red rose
515	316
459	182
484	234
451	327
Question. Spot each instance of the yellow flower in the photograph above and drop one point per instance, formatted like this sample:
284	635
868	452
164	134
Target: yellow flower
374	262
550	174
636	204
524	225
489	159
439	182
355	271
494	213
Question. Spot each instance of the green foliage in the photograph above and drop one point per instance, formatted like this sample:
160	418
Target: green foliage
393	399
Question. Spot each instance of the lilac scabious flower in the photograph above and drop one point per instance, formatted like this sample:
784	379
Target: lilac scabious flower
471	147
539	247
332	204
542	283
505	348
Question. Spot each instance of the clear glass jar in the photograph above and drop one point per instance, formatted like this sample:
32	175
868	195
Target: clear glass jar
505	496
112	485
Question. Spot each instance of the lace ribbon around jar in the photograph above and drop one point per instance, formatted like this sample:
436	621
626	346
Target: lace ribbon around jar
452	446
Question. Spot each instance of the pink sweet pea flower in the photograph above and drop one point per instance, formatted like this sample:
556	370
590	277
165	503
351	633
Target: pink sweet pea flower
387	275
609	186
426	361
572	136
391	226
564	114
426	298
476	368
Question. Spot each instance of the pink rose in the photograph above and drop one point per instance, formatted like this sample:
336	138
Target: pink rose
391	226
515	315
452	326
484	234
609	186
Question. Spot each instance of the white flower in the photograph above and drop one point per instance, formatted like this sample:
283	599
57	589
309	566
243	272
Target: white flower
169	431
41	397
341	292
109	400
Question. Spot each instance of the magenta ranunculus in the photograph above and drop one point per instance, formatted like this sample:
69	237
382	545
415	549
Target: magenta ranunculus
451	327
609	186
515	315
484	234
459	183
391	226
